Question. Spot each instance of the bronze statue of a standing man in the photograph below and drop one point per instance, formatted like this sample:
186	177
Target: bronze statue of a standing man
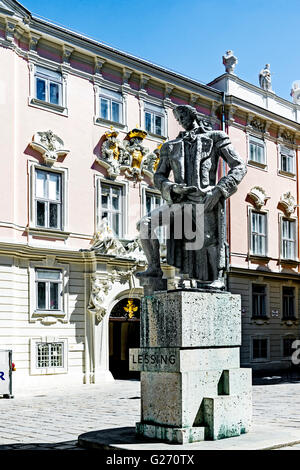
193	158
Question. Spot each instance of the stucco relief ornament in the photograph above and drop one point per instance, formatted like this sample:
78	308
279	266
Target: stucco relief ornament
151	161
111	153
257	196
97	304
135	153
49	145
230	62
105	242
287	203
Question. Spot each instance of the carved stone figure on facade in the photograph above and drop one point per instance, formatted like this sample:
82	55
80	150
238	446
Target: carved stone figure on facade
105	242
295	92
112	152
265	80
193	158
49	145
99	291
135	152
230	62
151	161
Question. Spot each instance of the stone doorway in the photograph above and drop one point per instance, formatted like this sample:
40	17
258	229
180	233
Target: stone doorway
124	333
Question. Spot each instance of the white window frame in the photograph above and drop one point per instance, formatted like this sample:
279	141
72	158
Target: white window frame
99	91
155	110
294	221
259	337
290	154
48	77
258	142
47	202
34	370
250	232
47	281
99	181
62	232
47	316
60	108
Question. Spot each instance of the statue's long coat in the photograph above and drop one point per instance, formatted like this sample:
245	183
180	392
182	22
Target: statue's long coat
193	158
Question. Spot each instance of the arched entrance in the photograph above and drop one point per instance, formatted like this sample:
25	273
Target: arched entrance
124	333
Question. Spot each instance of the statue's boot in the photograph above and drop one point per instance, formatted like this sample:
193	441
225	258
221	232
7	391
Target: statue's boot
152	271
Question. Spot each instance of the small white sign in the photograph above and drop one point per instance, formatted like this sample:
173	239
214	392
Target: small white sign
5	374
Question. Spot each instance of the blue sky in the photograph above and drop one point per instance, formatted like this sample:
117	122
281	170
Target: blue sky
191	36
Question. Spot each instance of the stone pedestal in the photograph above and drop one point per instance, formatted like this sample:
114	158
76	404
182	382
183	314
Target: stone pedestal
192	386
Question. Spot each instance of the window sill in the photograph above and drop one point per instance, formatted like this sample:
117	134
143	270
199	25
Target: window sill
291	262
48	317
287	174
36	103
107	123
263	359
264	258
260	320
290	320
49	371
261	166
48	233
157	136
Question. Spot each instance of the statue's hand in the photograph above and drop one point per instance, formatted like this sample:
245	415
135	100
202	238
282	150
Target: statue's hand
212	198
183	189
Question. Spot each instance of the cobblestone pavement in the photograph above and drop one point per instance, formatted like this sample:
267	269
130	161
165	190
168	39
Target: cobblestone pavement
55	419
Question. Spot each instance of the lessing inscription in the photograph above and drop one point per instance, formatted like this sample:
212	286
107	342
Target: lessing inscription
154	359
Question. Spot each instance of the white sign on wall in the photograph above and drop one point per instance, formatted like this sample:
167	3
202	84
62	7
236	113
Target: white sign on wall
5	373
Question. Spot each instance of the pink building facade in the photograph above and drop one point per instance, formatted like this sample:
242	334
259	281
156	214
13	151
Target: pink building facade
82	125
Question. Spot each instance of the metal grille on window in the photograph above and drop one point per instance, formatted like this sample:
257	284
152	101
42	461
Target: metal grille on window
49	355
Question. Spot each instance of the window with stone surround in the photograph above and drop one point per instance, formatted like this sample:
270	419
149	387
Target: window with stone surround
287	161
48	355
288	302
154	119
258	233
48	199
288	239
287	346
260	348
48	86
111	105
257	151
153	201
259	301
112	207
49	290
